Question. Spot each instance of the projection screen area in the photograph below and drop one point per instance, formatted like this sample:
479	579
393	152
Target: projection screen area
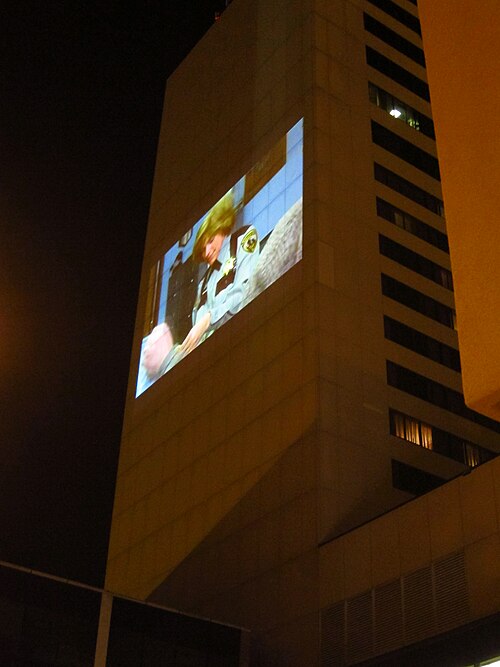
244	243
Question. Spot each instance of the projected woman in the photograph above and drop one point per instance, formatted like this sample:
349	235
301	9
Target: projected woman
231	257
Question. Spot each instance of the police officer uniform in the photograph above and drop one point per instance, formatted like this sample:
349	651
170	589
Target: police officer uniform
224	285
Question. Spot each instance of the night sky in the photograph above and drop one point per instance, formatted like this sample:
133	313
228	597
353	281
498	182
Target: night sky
82	88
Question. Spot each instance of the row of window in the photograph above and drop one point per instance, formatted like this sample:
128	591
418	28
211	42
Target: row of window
393	39
400	110
435	393
415	262
406	477
397	73
408	189
418	301
442	442
412	225
398	13
413	480
421	343
405	150
430	437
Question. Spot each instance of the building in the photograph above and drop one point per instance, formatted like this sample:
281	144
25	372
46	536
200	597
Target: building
260	473
468	139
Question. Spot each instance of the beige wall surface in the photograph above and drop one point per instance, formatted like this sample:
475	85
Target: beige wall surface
462	52
435	559
192	444
218	457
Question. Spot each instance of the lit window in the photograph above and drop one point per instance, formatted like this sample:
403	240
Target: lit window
399	109
471	455
426	436
414	123
430	437
398	425
410	429
413	431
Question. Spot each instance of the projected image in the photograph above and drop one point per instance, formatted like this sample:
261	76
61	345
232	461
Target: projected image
245	242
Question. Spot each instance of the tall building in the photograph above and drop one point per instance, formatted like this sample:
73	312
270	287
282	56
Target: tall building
295	379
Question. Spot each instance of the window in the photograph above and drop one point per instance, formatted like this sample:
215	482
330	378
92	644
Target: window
412	225
400	110
392	38
405	150
418	301
397	73
435	393
415	262
441	442
398	13
471	456
410	429
407	189
413	480
421	343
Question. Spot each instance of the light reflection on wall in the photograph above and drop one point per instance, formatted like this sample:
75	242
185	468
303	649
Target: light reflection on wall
243	244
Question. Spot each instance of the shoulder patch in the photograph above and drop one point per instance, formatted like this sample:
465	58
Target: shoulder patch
249	241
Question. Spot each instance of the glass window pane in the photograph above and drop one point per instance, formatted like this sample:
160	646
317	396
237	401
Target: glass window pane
412	431
426	436
471	455
398	425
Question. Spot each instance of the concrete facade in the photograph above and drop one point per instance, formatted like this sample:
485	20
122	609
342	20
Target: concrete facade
469	153
416	572
273	437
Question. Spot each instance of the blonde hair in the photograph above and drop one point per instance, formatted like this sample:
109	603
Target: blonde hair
220	220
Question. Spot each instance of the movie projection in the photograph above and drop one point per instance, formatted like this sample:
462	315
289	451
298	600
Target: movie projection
245	242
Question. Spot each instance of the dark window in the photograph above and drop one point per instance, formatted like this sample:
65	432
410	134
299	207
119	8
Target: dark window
418	301
397	73
407	189
400	110
405	150
415	262
392	38
435	393
430	437
421	343
413	480
141	636
399	14
412	225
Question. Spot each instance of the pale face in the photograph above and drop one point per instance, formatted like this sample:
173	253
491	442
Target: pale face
212	248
